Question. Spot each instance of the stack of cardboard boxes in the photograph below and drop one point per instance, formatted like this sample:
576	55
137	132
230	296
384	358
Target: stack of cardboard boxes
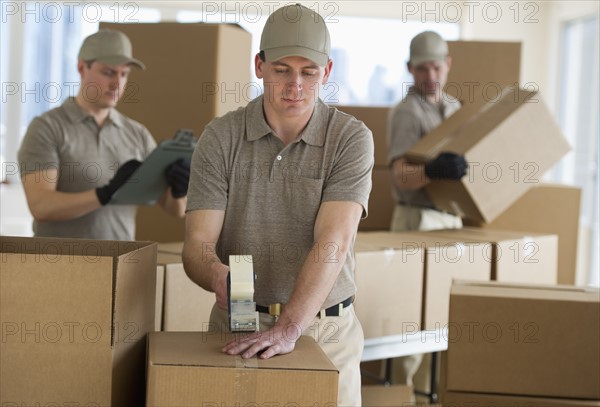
520	345
523	231
195	72
75	315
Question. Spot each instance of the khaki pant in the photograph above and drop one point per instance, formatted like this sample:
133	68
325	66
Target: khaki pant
342	340
406	218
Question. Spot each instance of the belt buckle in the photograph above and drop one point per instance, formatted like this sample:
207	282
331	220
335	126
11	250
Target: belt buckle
340	309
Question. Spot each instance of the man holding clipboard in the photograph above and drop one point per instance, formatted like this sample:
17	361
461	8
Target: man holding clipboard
75	157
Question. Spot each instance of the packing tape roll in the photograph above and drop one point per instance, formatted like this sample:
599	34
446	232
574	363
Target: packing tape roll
242	278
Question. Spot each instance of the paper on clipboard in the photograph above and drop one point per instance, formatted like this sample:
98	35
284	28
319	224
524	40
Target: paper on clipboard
148	182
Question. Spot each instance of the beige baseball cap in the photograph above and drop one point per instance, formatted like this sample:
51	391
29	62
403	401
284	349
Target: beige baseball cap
111	47
427	46
296	30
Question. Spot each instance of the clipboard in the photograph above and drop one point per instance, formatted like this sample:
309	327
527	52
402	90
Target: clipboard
148	182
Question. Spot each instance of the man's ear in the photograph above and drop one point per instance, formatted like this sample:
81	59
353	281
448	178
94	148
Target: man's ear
80	66
258	66
409	67
328	69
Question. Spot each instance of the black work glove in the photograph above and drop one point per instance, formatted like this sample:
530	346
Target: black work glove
124	172
178	177
447	166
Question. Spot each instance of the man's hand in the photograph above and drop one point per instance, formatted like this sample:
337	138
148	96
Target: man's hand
122	175
447	166
178	177
219	284
278	340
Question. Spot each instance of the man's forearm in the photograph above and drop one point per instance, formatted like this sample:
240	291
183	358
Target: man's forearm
314	283
53	206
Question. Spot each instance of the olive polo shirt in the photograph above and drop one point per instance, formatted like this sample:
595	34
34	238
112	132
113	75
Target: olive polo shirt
86	156
271	193
408	122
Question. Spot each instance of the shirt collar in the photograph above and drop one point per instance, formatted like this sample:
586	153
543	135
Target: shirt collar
313	133
445	103
76	113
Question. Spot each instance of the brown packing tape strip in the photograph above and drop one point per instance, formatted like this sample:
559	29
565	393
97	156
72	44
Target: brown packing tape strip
245	380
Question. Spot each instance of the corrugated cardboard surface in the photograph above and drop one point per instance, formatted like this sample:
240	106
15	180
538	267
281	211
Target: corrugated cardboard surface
481	68
185	305
189	369
516	257
195	72
75	314
387	396
444	260
461	399
509	143
389	287
551	209
524	340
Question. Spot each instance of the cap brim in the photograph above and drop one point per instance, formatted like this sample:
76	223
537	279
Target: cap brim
120	60
275	54
426	58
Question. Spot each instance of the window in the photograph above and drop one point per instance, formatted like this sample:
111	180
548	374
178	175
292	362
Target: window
366	70
578	118
39	46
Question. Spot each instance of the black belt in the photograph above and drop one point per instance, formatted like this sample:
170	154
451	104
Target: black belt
333	311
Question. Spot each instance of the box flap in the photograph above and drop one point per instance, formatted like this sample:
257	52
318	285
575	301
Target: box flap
526	291
406	240
204	349
486	235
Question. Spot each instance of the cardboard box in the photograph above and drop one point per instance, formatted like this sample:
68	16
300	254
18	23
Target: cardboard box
444	260
387	396
551	209
75	314
460	399
189	369
516	257
211	78
389	288
524	340
481	69
381	202
182	305
509	143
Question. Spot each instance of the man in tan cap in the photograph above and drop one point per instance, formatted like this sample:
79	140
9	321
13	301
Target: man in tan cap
75	157
423	109
285	179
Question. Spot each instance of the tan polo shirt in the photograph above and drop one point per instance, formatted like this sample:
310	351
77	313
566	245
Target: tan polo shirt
86	156
408	122
271	193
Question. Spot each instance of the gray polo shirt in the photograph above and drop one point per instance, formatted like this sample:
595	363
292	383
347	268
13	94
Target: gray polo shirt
86	156
408	122
271	193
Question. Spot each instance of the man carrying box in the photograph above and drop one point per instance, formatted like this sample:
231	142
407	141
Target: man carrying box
285	179
424	108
